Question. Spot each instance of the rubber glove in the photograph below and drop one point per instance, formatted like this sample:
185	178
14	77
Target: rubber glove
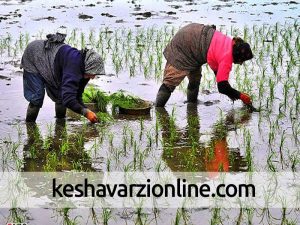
90	115
246	99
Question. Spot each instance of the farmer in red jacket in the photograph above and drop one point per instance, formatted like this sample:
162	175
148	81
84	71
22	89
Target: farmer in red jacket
190	48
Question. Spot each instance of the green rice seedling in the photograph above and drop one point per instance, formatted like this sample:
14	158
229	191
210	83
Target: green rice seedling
64	147
82	40
296	130
15	49
11	148
246	33
249	159
271	89
92	38
286	88
141	158
189	161
135	154
272	133
124	100
172	126
211	152
99	41
216	216
66	217
141	127
110	139
77	166
149	139
185	215
159	166
117	154
70	39
125	142
104	117
131	137
19	130
157	128
282	139
93	95
106	215
297	99
240	216
128	167
271	166
47	143
51	162
261	89
79	140
26	39
108	164
193	130
250	214
33	152
117	62
280	53
178	217
146	70
21	42
17	215
142	218
93	215
294	159
8	40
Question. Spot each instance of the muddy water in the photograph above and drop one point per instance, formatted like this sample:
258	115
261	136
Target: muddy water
197	141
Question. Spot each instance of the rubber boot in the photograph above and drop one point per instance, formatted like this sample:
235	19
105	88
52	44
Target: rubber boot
60	111
162	96
192	92
32	113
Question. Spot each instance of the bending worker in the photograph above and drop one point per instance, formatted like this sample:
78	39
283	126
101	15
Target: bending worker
62	71
190	48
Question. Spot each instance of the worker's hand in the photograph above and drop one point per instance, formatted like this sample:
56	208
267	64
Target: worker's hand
246	99
91	116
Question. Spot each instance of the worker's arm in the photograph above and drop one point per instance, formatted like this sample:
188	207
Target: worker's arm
70	91
73	83
82	86
225	88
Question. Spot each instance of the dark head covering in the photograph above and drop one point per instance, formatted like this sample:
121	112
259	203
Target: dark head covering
241	50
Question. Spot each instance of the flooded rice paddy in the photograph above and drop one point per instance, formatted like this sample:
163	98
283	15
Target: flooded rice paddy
213	135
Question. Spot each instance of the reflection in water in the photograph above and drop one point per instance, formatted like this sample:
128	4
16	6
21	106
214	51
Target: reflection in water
183	151
57	152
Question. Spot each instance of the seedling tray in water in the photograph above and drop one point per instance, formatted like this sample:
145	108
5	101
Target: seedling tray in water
142	109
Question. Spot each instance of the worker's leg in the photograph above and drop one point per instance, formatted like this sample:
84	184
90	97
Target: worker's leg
193	86
172	78
34	92
32	113
60	110
54	94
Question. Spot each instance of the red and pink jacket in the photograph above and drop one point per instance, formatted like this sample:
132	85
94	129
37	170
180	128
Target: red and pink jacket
219	56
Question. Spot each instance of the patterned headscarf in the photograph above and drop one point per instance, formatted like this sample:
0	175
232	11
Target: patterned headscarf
93	63
53	39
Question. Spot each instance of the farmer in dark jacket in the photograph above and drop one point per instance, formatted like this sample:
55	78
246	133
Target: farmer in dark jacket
190	48
63	71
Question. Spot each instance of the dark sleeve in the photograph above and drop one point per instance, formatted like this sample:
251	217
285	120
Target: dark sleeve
71	78
225	88
82	85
